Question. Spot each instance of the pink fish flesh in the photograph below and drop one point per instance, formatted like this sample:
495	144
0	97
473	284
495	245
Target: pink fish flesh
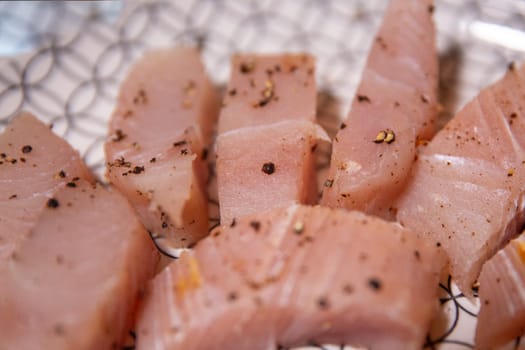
34	164
160	132
466	193
293	276
74	281
394	107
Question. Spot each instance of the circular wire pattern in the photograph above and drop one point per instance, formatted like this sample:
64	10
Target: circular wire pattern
66	68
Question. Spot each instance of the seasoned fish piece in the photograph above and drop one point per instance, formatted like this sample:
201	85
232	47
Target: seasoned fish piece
160	132
295	275
34	164
395	106
502	297
74	281
267	166
267	137
169	190
466	192
265	89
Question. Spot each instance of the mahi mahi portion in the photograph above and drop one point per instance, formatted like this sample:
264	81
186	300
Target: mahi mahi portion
74	281
275	167
267	135
34	164
502	296
467	189
264	89
292	276
160	132
394	107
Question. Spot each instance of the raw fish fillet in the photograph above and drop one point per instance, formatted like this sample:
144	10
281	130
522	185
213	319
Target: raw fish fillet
275	166
267	136
395	106
74	281
502	297
466	192
34	164
160	132
294	276
264	89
